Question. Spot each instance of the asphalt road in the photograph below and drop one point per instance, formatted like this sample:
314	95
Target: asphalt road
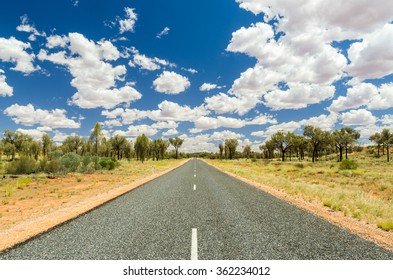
194	212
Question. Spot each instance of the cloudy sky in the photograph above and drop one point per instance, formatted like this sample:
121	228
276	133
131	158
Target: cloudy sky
199	69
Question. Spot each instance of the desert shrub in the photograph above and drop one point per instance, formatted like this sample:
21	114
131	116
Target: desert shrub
386	225
299	165
56	154
24	165
107	164
71	161
50	166
348	164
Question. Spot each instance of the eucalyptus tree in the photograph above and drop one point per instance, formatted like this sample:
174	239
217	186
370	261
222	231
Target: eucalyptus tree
315	137
176	143
376	137
231	145
283	142
221	148
73	143
118	144
141	147
387	140
247	151
343	139
47	144
96	137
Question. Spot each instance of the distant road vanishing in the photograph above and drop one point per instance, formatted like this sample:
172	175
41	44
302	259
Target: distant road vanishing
197	212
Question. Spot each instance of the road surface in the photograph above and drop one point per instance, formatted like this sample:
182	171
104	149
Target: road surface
197	212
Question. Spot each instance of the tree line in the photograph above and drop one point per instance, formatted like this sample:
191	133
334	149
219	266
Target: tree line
80	154
314	142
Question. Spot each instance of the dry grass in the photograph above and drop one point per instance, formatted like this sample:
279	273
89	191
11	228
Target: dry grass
29	197
365	194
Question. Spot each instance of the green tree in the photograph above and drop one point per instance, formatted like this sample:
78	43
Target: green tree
141	147
96	137
73	143
387	140
283	142
47	144
231	145
221	148
376	137
247	151
315	136
176	143
118	144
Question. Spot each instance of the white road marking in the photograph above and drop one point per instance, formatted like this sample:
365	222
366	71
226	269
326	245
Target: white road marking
194	244
194	187
194	175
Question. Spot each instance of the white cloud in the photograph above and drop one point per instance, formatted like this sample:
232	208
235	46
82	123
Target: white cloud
148	63
94	77
165	125
128	24
223	103
357	96
262	119
136	130
254	6
26	27
190	70
387	119
171	83
35	133
208	87
164	32
298	96
54	41
365	94
14	51
371	58
286	127
170	132
206	123
384	99
5	89
170	111
29	116
112	123
359	117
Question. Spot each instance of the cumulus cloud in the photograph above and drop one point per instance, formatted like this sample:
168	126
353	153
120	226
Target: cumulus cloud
94	77
128	24
170	111
29	116
25	26
360	117
5	89
298	96
208	87
299	48
148	63
54	41
223	103
370	58
164	32
190	70
35	133
14	51
136	130
365	94
170	82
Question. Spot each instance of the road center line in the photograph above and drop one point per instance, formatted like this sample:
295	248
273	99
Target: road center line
194	244
194	187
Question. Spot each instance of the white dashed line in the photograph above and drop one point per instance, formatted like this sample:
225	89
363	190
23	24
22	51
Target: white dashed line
194	244
194	187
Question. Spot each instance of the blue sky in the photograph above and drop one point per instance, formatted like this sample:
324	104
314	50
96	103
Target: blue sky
201	70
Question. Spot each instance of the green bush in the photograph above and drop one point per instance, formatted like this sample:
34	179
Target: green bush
107	164
51	167
24	165
347	164
71	161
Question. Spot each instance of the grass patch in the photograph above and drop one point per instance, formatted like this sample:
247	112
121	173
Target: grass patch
386	225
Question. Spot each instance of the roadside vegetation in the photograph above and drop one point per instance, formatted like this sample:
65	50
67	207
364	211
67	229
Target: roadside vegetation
330	169
40	176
